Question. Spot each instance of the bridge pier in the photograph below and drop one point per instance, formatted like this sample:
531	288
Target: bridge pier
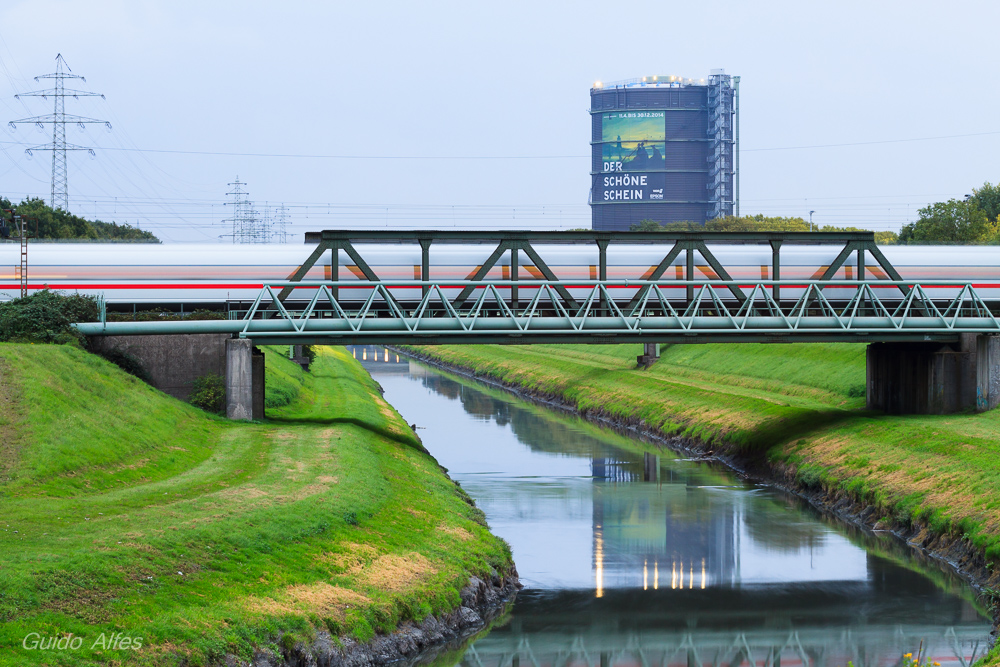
650	354
934	378
244	380
299	357
650	467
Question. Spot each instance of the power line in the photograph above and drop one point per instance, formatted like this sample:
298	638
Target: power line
353	157
869	143
331	156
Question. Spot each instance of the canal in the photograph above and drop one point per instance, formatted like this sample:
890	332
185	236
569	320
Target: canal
633	555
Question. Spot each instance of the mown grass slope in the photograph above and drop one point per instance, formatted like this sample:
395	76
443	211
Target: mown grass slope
799	405
124	511
285	378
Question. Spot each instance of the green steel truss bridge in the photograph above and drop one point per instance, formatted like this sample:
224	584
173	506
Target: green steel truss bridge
599	316
548	309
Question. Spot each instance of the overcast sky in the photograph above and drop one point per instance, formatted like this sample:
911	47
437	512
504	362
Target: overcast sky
475	114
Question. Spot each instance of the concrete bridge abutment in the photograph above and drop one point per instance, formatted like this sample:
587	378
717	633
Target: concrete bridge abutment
934	378
174	362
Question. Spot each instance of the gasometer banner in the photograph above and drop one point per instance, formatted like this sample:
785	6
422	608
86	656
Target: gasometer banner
629	186
633	140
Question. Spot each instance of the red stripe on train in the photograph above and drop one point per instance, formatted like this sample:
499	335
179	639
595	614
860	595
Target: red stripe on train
347	285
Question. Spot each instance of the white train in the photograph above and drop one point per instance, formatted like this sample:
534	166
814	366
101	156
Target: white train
213	275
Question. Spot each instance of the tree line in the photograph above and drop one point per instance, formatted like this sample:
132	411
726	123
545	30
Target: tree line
754	223
45	222
974	220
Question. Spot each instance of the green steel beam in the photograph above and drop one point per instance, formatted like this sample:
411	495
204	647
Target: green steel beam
555	238
776	268
595	339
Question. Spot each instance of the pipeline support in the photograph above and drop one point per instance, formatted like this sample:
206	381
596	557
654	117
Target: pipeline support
650	355
244	380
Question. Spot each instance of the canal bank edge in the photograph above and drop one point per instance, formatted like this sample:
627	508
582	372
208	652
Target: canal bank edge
957	551
482	603
243	546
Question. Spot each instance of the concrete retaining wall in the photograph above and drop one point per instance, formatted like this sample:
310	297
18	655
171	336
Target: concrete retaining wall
173	362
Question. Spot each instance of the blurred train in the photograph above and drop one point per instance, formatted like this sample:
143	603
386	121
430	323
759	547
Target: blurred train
213	276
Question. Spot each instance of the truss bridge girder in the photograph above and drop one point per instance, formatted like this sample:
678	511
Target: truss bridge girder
678	305
401	312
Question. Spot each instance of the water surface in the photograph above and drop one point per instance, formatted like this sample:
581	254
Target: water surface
631	555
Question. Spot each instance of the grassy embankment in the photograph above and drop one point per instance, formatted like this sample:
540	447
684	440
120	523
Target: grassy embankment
797	405
125	511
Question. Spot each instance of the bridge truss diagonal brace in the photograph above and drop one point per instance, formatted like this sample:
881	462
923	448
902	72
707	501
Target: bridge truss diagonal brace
717	267
859	247
657	272
301	272
849	248
514	246
482	272
549	275
889	269
689	247
335	247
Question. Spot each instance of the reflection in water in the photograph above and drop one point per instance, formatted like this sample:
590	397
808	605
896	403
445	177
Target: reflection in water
633	558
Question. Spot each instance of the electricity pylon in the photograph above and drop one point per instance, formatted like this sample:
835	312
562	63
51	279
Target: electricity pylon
281	224
248	225
58	118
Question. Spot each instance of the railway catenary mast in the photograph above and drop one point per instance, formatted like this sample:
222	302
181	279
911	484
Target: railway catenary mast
664	148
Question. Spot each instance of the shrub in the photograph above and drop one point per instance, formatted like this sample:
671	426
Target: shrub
160	315
45	317
209	393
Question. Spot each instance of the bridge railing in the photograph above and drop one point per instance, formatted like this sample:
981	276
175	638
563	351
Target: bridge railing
377	311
